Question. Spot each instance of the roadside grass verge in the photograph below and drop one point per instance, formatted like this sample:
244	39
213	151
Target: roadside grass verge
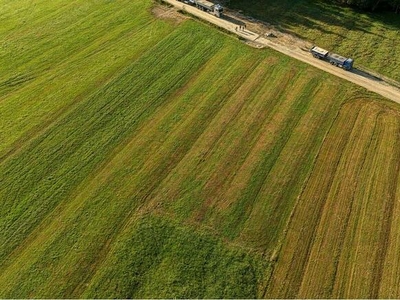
371	39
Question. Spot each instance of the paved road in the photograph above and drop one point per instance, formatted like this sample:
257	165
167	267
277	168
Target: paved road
356	76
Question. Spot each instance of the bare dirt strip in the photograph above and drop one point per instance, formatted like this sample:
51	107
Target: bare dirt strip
291	46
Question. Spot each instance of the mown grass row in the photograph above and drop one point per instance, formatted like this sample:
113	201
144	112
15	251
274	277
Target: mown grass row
198	169
244	177
368	38
389	287
340	232
103	120
369	236
104	124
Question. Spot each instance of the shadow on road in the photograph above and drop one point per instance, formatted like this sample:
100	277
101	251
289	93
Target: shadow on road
233	20
366	75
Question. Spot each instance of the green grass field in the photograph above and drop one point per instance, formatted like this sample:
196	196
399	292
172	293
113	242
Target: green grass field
142	158
371	39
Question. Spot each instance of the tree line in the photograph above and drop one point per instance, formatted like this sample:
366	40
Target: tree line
373	5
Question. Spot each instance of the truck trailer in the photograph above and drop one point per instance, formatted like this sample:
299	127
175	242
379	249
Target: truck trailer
340	61
207	6
334	59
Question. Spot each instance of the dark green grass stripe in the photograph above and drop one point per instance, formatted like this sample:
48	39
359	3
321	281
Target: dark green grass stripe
242	207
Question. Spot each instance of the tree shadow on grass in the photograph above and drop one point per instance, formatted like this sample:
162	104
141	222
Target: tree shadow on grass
233	20
291	14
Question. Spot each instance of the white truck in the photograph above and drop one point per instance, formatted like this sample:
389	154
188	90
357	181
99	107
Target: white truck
334	59
207	6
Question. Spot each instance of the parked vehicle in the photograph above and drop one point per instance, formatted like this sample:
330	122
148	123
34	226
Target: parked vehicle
207	6
333	58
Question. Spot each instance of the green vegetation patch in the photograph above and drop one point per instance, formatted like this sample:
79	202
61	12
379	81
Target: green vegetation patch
370	38
156	258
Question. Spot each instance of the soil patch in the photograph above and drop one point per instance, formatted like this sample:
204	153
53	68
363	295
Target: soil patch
167	13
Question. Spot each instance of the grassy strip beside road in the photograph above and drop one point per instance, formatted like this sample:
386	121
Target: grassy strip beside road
371	39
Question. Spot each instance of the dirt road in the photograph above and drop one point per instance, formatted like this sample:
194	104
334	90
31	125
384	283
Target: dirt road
292	47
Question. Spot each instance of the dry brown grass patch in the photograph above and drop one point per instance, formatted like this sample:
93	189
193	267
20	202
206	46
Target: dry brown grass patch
167	13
